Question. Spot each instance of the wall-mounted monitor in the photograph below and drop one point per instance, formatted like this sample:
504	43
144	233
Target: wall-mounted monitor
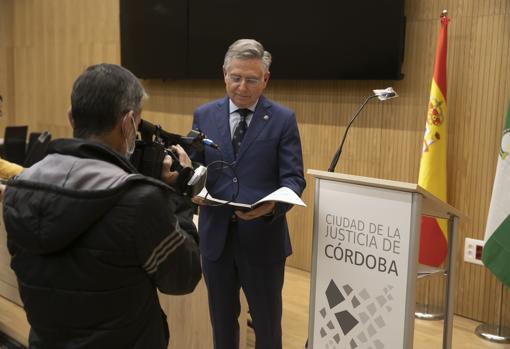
321	39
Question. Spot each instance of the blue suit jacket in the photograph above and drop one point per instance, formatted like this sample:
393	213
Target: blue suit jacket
270	157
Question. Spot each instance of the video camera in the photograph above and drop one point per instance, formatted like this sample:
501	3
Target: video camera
154	145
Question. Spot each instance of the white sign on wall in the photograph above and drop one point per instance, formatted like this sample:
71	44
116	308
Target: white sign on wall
362	253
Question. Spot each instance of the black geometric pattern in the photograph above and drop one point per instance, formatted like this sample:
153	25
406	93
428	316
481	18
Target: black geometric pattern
355	302
346	321
333	295
359	317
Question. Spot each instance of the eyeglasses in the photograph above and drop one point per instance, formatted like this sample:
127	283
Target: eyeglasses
236	79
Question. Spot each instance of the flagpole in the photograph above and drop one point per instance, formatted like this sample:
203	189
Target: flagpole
495	333
501	310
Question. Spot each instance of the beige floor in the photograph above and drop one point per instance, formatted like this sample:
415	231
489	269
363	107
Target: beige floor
13	321
427	334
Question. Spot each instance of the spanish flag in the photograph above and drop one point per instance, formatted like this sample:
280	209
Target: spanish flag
433	239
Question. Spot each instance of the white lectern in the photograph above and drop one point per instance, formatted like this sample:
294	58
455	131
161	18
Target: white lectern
364	261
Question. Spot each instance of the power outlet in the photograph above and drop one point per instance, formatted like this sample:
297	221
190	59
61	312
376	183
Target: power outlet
473	250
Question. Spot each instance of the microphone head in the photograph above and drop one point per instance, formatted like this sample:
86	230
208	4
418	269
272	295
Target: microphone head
384	94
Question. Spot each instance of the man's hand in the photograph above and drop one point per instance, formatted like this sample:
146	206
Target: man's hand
263	210
198	200
167	176
183	157
170	177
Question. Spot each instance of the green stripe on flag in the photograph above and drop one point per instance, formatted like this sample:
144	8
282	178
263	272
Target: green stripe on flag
496	253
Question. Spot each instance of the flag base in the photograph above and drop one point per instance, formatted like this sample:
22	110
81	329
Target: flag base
428	312
493	333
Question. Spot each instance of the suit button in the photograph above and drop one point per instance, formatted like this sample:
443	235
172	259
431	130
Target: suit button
233	218
234	180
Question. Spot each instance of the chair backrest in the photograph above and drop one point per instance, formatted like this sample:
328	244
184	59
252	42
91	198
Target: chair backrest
15	132
15	143
38	149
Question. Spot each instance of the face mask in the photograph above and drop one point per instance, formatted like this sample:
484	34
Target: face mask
131	145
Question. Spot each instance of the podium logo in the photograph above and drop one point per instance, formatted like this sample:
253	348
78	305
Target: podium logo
353	319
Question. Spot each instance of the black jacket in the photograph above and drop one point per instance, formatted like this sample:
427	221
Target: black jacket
91	241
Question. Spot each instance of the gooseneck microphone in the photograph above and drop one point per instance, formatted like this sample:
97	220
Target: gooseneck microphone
383	95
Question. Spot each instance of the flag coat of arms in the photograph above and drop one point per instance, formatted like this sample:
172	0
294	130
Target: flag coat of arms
432	177
496	253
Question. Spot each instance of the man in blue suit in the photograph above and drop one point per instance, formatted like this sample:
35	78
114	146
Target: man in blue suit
259	140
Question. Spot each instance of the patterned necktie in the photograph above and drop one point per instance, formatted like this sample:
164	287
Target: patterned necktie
240	130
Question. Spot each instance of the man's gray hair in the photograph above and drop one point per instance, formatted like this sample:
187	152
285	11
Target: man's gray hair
247	49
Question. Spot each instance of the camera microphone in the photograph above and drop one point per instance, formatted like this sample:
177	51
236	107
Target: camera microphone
197	140
148	131
194	138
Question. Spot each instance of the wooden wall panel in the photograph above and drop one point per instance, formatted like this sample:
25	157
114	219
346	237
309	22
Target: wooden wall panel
478	99
54	40
6	63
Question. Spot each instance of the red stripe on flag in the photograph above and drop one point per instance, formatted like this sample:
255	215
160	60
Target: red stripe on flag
440	63
433	245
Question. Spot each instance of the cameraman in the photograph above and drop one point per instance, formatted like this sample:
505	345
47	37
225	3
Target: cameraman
91	239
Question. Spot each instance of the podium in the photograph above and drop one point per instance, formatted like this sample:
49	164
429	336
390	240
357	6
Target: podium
365	261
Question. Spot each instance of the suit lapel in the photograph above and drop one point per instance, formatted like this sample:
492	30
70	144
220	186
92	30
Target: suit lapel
221	119
259	120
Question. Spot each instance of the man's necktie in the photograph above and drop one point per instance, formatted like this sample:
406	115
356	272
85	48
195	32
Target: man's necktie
240	130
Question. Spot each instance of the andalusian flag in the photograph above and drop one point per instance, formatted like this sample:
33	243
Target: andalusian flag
433	239
496	253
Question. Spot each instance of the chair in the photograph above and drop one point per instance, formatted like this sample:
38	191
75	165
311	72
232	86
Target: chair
15	143
32	138
37	147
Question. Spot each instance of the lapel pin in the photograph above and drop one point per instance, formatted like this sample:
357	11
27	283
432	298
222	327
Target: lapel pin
266	117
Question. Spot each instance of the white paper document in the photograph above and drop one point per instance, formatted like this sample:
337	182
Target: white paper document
283	194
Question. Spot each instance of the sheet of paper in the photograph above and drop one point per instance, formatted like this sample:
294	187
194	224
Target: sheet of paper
283	194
